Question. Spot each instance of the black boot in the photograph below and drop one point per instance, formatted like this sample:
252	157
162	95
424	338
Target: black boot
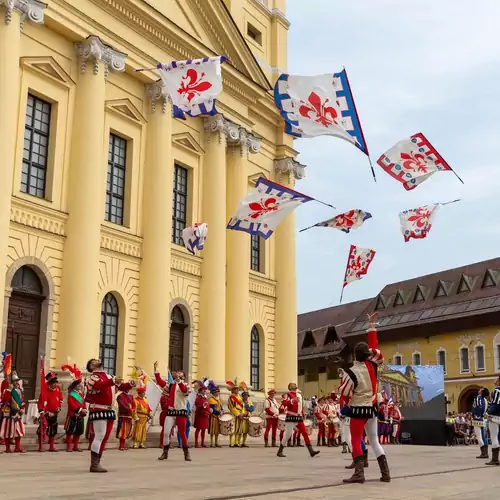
484	452
312	452
290	444
266	443
299	444
164	455
318	443
323	441
384	469
273	443
353	464
365	458
344	448
95	463
494	457
187	457
359	472
280	452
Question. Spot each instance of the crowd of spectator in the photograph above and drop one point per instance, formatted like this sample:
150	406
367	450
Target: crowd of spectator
459	429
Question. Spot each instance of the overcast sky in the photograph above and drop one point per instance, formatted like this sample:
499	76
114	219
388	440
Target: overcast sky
428	66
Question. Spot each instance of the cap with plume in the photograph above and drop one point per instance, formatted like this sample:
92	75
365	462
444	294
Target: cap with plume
212	387
243	386
76	374
232	384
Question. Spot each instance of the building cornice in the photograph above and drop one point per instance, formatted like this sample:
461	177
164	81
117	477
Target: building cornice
261	285
290	166
30	10
121	242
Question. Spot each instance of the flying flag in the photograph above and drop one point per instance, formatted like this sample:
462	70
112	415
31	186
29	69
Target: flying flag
6	364
357	264
193	85
345	222
319	105
417	222
265	207
195	237
412	161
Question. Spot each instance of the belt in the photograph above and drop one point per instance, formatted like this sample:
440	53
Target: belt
100	407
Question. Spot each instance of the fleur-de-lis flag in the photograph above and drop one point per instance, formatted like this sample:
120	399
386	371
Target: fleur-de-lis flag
319	105
194	237
193	85
417	222
358	262
264	207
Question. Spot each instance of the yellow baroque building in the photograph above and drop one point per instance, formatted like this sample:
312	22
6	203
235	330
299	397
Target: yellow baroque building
98	181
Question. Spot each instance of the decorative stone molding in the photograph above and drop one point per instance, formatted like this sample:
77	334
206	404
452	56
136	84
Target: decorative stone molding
158	92
94	49
262	286
185	263
31	10
290	166
38	217
234	134
121	242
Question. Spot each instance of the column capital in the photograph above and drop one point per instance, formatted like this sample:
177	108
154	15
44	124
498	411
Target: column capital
158	92
235	135
93	48
290	166
32	10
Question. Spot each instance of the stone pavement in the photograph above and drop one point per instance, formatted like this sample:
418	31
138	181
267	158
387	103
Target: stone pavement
253	473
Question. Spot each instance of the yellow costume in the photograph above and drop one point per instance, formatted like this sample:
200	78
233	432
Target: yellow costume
248	408
142	414
236	407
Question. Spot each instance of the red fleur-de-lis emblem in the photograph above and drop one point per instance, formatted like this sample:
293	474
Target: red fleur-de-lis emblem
192	86
421	217
347	219
356	265
263	207
318	111
414	161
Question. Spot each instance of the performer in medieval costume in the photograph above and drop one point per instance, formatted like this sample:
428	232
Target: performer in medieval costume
4	385
77	410
101	412
382	422
295	418
236	407
13	406
201	416
143	415
282	411
216	411
396	419
321	419
49	406
177	414
126	414
333	422
163	414
479	408
359	385
494	423
188	426
271	409
248	409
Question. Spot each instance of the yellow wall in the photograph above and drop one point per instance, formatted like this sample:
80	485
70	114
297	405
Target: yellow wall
38	230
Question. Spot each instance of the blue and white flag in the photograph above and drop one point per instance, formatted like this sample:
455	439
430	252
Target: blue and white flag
193	85
195	237
319	105
265	207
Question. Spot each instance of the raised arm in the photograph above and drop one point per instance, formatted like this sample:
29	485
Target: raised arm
376	354
159	380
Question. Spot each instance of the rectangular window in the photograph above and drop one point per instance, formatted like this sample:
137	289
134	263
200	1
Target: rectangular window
36	146
179	200
254	34
115	186
498	357
398	360
464	360
416	358
442	359
255	257
480	362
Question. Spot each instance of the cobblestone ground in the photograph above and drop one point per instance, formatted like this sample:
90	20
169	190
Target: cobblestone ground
254	473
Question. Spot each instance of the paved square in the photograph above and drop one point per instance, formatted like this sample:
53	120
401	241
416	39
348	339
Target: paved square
218	474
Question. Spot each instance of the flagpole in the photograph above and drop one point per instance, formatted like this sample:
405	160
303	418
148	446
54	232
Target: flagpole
305	229
146	69
342	292
450	202
457	176
373	170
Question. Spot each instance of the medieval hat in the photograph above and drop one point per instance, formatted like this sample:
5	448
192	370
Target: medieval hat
74	385
14	377
141	390
51	377
245	394
233	385
74	372
271	391
243	387
127	386
212	387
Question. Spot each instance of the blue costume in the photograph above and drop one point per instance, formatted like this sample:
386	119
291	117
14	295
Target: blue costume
494	423
479	407
188	425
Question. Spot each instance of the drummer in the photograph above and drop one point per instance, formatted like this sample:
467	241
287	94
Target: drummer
249	408
216	410
319	413
236	407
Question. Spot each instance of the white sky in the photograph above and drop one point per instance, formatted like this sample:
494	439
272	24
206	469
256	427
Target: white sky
428	66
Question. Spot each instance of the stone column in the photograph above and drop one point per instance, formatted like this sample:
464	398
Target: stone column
13	15
238	259
287	170
154	320
78	335
212	337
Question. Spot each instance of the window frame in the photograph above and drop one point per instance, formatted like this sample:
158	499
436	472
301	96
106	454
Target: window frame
476	359
464	348
256	245
438	361
178	195
400	356
109	300
46	135
113	167
255	358
496	352
419	354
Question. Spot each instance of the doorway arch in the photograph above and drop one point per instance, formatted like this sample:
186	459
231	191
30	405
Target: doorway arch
177	341
466	398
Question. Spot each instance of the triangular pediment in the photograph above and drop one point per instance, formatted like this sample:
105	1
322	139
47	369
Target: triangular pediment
464	285
490	278
308	340
380	303
126	109
188	142
48	67
443	289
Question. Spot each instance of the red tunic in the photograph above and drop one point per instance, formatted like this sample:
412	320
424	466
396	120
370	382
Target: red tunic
74	406
53	400
164	409
177	396
292	404
126	404
100	390
202	412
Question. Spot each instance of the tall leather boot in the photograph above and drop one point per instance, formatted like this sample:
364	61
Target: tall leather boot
76	441
323	439
290	444
40	445
494	457
335	443
280	452
69	443
52	446
187	456
365	459
384	469
17	447
312	451
344	448
299	444
266	442
95	463
318	443
164	455
484	452
359	472
273	443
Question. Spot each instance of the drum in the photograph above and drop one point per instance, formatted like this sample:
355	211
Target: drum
309	426
281	422
255	427
227	425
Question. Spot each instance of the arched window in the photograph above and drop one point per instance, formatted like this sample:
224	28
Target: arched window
26	281
255	359
109	333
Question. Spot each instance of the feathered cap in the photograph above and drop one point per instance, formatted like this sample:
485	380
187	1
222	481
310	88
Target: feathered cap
127	386
243	386
73	370
141	390
51	377
232	384
212	387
